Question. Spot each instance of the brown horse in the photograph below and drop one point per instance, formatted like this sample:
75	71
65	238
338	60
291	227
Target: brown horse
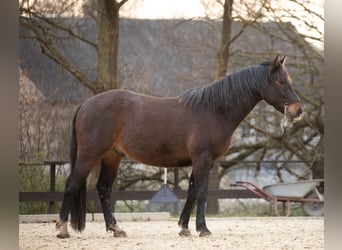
194	128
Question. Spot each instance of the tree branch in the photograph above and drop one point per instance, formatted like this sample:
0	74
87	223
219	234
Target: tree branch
50	51
122	3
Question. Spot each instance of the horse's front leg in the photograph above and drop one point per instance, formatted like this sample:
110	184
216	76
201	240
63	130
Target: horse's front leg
109	168
201	176
189	204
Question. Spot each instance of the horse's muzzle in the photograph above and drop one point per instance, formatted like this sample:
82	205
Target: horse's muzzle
294	112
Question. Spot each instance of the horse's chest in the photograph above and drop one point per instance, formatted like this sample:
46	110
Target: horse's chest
222	147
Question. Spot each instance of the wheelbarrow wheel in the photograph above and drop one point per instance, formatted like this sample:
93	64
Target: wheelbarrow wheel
311	208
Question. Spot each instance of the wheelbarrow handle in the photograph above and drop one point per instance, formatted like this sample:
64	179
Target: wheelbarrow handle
237	184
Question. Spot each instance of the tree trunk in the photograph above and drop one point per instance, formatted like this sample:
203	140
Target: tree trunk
107	45
221	69
223	52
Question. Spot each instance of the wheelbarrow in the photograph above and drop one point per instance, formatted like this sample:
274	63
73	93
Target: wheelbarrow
304	192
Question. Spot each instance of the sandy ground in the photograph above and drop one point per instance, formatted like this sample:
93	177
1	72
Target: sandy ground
227	233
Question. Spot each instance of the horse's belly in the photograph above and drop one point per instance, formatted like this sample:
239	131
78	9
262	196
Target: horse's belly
150	153
160	162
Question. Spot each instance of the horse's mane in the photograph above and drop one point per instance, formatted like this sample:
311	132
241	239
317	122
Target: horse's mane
233	89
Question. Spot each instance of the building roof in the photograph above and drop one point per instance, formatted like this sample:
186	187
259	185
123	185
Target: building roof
161	57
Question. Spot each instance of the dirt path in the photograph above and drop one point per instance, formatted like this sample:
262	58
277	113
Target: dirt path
227	233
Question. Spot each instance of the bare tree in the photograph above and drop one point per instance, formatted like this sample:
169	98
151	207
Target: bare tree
48	25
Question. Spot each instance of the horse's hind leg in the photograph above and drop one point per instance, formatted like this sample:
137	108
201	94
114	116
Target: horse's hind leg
189	204
74	199
109	169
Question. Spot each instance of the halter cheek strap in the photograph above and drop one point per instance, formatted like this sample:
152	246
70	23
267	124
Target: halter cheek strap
285	119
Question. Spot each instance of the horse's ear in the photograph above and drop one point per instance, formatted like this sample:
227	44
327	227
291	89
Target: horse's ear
274	63
283	61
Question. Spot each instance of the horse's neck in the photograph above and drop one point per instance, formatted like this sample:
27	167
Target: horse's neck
240	111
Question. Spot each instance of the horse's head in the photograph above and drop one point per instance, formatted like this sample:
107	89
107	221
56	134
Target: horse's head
279	92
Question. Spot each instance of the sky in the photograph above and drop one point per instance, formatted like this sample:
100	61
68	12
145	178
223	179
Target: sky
169	9
174	9
163	9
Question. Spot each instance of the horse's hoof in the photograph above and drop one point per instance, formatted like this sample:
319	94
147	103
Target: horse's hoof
184	232
205	233
63	230
117	231
120	233
63	235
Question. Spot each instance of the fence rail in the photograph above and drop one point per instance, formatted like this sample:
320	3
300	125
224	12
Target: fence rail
52	196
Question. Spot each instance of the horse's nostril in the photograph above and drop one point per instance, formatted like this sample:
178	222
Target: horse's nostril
299	112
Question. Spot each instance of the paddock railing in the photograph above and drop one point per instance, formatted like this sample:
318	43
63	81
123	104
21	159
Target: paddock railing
52	196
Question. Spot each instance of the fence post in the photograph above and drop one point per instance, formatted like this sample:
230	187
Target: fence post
52	185
53	165
176	188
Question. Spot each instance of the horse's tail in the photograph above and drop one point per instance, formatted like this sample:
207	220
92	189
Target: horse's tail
78	206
